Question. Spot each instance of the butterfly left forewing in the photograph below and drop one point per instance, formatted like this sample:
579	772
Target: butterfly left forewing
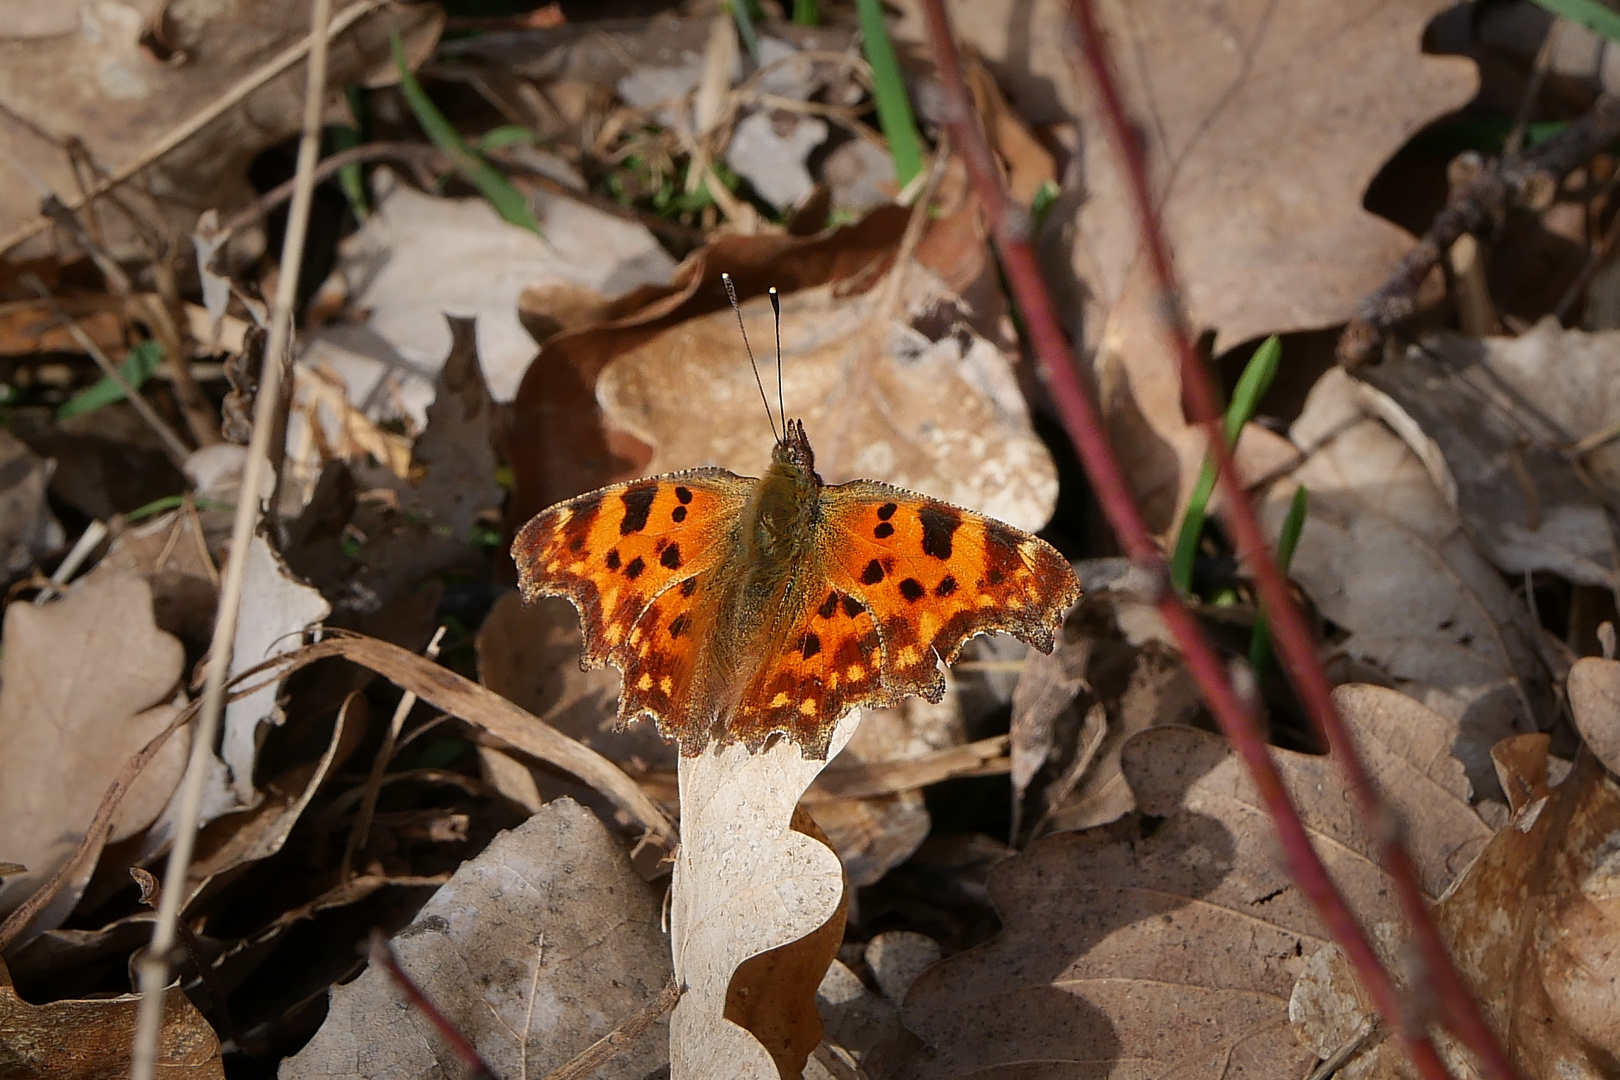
935	575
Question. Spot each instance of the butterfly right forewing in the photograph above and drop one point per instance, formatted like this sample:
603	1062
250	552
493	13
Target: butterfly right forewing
613	552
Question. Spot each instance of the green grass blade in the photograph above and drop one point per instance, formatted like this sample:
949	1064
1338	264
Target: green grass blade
1258	375
140	365
506	199
1589	13
806	13
1293	525
500	138
893	104
350	178
745	26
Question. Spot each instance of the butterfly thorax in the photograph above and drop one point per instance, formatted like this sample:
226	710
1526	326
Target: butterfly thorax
779	523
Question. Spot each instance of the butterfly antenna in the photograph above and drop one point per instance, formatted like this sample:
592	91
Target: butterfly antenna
731	294
776	309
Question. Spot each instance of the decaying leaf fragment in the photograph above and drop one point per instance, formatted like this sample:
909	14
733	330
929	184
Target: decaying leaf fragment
1594	699
91	1039
937	412
1261	150
1175	943
276	610
1534	925
745	883
1499	423
1385	557
534	950
82	686
27	527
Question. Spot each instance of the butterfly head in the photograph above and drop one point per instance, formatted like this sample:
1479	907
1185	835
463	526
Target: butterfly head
793	452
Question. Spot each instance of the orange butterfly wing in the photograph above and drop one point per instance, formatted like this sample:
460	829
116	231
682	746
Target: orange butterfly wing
629	558
900	583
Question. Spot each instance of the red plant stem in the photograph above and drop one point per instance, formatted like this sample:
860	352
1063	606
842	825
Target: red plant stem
1440	981
382	954
1079	415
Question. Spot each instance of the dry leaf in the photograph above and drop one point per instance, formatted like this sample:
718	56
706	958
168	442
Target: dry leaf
745	883
277	609
534	950
558	444
94	84
418	258
1262	144
79	679
1494	419
258	833
1534	925
91	1040
27	527
1046	688
1385	558
529	654
1594	701
170	552
875	833
1157	690
1174	944
864	1025
938	412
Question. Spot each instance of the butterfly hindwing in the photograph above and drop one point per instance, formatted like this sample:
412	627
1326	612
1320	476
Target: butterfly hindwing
614	551
821	664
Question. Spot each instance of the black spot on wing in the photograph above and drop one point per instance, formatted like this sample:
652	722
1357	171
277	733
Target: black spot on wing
946	586
637	505
939	524
912	589
872	574
852	607
886	511
634	568
883	531
829	606
612	559
671	558
688	587
677	625
678	514
810	646
683	494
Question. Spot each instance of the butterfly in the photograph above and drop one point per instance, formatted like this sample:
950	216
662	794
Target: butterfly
741	608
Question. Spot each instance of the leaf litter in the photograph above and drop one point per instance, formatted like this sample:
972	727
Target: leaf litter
827	919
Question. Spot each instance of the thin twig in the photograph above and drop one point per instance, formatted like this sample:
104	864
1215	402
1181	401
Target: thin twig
171	442
1347	1050
1531	177
217	108
361	831
154	966
617	1041
1078	411
94	533
1440	985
